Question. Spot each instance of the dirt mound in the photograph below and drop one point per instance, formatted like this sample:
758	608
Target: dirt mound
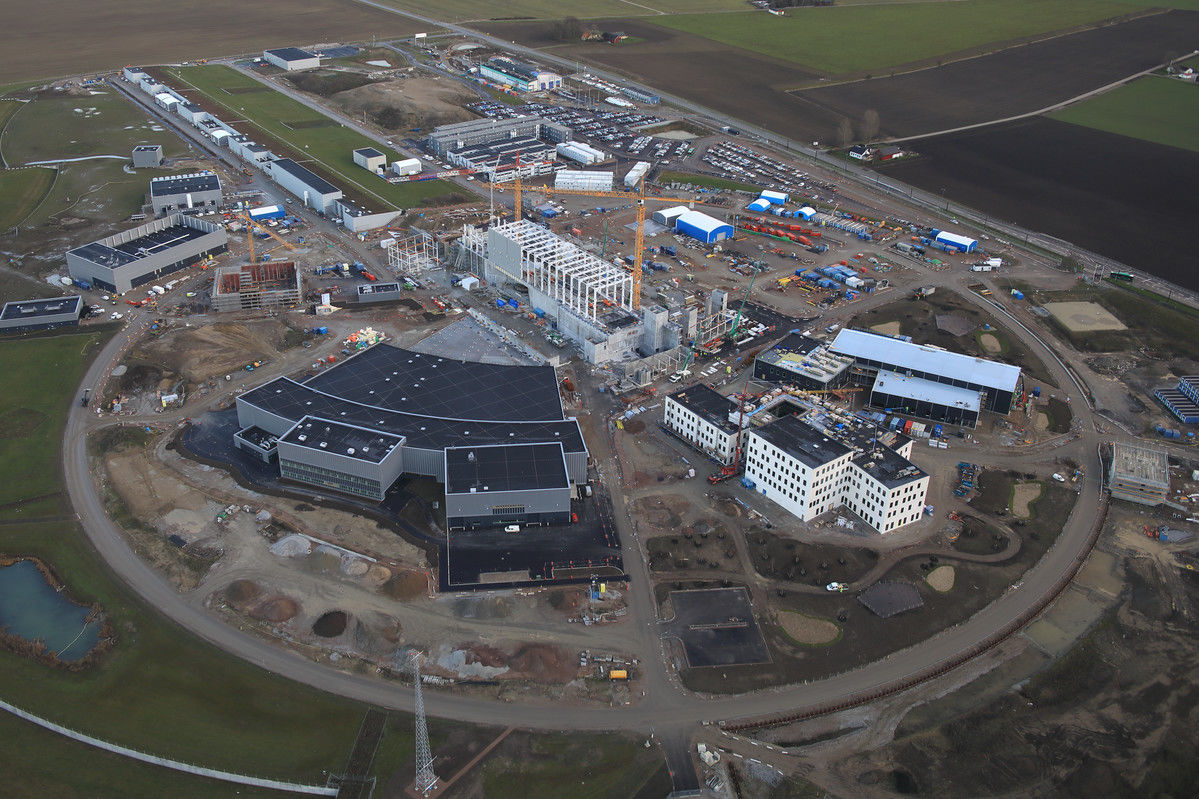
544	663
331	625
664	511
409	103
487	655
406	585
276	609
201	353
326	83
240	592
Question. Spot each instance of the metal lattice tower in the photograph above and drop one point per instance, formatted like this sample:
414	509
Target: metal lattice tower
426	780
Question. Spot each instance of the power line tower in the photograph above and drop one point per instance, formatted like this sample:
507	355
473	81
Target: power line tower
426	780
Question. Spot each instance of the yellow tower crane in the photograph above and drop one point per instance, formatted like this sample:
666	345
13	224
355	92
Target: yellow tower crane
639	196
250	225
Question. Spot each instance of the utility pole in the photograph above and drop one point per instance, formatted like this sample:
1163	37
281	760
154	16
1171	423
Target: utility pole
426	780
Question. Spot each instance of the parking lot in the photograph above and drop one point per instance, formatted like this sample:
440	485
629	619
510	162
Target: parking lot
717	628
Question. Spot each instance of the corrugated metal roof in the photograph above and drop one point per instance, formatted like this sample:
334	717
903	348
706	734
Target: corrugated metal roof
906	355
921	390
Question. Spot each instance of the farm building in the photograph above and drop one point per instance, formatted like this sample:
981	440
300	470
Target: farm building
461	135
171	193
860	152
137	256
999	384
890	153
699	225
803	362
291	58
370	159
385	412
274	284
705	419
925	399
316	192
1139	474
147	156
519	75
959	243
20	316
499	484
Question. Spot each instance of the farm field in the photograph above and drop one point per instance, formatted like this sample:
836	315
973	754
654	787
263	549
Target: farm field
1154	108
73	36
1041	173
1010	82
474	10
235	96
21	190
888	36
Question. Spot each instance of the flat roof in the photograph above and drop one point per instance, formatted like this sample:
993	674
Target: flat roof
413	382
708	404
505	467
117	255
802	441
285	398
369	152
806	356
1140	464
143	147
291	53
888	467
339	438
309	178
921	390
34	309
904	355
170	185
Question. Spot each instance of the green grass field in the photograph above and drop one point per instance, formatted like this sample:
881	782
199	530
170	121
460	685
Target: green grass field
862	38
21	191
463	10
307	131
1153	108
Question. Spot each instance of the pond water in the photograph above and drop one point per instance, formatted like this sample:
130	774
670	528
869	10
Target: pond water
31	608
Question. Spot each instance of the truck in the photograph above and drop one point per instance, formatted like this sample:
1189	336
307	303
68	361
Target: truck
86	397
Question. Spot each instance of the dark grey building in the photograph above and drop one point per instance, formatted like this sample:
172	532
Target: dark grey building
20	316
417	407
147	156
135	257
506	484
200	191
460	135
803	362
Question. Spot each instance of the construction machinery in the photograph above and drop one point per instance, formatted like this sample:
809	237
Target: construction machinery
731	470
639	197
251	224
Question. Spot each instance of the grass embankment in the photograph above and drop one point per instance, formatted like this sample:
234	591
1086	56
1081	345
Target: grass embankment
21	191
159	690
318	142
877	37
1154	108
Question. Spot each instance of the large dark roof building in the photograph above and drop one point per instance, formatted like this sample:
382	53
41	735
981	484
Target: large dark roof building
427	413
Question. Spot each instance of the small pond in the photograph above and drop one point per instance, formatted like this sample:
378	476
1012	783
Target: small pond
31	608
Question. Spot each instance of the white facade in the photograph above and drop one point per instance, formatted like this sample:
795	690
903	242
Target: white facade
370	159
582	153
580	179
291	58
639	170
714	441
406	166
667	216
881	487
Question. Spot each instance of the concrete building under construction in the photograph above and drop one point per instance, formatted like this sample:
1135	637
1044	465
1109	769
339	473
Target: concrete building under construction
251	287
1139	474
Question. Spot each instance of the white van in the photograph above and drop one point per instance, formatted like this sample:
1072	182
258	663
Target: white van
512	528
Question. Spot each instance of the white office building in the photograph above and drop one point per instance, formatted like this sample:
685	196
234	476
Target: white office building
705	419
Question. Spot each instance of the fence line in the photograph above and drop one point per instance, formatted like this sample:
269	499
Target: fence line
155	760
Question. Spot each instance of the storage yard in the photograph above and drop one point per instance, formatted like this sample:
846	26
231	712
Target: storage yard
633	414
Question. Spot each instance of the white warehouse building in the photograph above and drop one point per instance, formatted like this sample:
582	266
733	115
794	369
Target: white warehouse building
291	58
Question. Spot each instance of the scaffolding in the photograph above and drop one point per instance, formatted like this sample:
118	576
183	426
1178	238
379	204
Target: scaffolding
414	254
575	279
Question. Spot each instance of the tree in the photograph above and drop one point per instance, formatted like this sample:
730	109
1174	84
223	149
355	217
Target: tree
870	124
567	29
844	132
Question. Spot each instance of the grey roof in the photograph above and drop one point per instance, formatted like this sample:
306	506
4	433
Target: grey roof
369	152
308	177
113	255
802	441
141	148
888	467
351	441
505	467
919	389
904	355
35	309
708	404
171	185
291	53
